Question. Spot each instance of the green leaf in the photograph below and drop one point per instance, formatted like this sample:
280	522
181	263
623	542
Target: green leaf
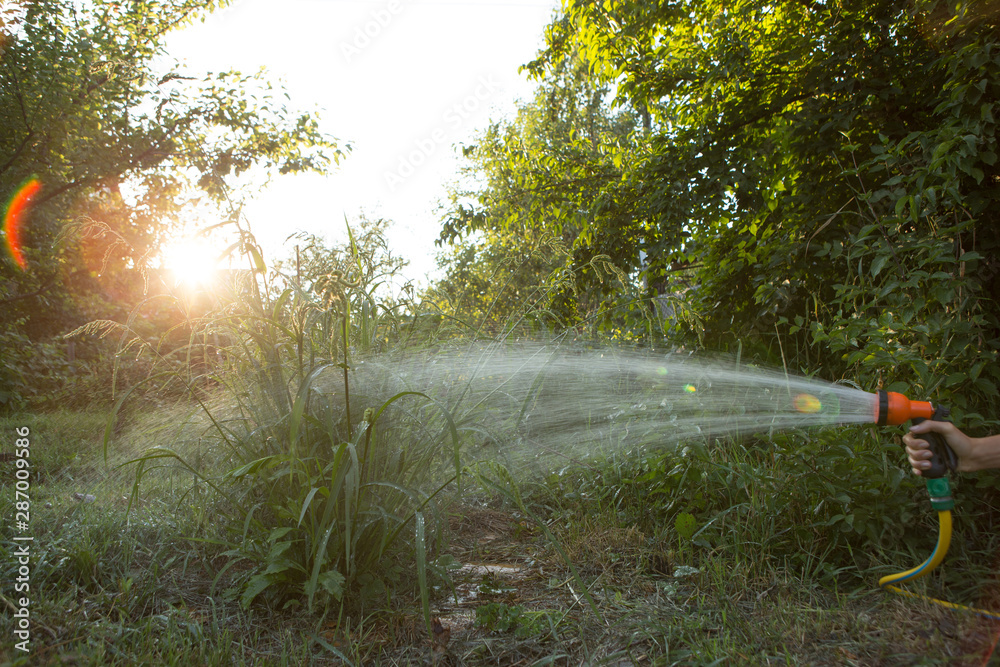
258	259
257	585
421	545
333	583
278	533
686	525
249	468
305	504
878	263
955	379
900	205
278	563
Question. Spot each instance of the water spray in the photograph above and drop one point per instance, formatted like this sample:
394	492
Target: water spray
548	407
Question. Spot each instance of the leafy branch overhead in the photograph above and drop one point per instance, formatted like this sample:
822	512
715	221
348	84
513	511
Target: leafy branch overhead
114	135
84	104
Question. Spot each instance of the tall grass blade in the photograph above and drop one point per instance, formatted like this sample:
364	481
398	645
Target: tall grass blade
333	649
167	453
354	248
299	406
305	504
421	548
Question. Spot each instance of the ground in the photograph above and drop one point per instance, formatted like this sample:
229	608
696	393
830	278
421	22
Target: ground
123	581
515	602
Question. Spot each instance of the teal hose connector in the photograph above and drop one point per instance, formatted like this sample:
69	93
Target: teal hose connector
939	489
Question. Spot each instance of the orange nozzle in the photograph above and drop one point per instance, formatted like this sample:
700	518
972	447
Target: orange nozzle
894	408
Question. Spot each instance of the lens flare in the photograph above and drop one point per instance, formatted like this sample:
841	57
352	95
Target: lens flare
192	261
690	389
14	217
807	403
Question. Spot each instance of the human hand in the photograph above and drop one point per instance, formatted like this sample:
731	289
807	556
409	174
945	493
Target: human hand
918	449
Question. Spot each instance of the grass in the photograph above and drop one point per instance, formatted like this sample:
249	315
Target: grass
267	507
151	584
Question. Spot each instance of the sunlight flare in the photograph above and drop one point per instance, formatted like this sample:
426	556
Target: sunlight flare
192	262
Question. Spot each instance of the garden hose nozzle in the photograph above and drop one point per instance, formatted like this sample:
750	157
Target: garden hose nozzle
893	408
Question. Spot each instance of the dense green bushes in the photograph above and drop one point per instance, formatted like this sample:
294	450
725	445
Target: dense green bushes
40	375
810	185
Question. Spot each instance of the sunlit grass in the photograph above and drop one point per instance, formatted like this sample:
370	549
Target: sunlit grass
156	574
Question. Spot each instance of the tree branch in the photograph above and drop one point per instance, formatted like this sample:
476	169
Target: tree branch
17	153
38	291
91	179
761	115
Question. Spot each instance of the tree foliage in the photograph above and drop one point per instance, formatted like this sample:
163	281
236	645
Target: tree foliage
125	147
824	172
534	179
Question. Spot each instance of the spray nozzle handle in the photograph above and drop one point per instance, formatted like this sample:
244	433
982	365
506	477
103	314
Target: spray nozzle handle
943	457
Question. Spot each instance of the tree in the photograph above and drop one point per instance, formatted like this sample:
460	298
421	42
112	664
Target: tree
830	167
121	147
535	181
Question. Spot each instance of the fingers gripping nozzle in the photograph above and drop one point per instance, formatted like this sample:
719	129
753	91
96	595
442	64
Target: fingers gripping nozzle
943	457
893	408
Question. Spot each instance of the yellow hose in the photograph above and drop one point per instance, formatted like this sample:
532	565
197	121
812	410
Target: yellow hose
944	541
940	551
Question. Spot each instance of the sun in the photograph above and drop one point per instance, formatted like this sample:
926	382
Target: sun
192	262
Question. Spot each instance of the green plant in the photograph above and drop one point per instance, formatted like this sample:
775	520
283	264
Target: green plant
339	507
500	617
327	489
685	525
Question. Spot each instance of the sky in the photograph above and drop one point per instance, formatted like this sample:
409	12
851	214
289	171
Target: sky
403	81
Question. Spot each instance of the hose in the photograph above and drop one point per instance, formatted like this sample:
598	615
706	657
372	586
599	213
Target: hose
940	550
893	408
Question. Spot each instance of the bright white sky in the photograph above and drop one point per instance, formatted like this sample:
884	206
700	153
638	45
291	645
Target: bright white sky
404	81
